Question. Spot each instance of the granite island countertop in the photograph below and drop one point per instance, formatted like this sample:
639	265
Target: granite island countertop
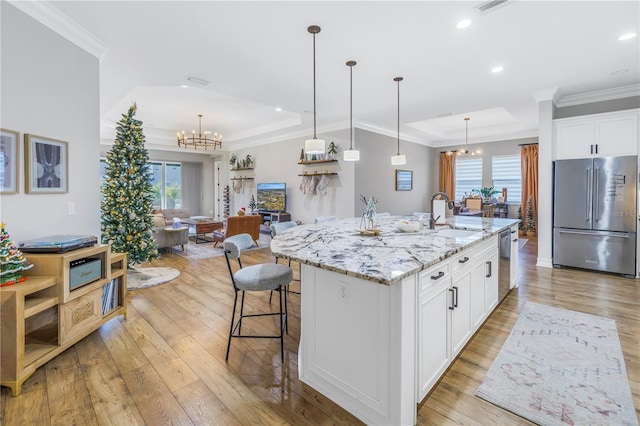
386	258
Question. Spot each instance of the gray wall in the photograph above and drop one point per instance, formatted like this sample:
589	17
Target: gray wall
597	107
50	89
375	176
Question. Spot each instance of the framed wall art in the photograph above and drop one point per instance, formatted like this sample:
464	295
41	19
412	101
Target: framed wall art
46	165
404	180
9	157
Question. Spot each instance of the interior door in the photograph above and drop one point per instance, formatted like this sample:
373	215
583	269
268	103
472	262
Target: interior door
572	193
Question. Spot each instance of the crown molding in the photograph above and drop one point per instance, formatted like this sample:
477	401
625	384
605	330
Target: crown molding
599	95
549	94
51	17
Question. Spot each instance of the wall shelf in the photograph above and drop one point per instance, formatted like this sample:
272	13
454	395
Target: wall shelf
241	168
241	178
317	161
318	174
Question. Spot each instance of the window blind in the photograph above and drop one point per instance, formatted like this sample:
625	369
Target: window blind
506	173
468	176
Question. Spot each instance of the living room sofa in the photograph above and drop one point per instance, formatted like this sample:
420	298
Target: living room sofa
249	224
165	238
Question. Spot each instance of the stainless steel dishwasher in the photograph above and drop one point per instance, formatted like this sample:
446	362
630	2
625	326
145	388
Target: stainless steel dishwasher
504	280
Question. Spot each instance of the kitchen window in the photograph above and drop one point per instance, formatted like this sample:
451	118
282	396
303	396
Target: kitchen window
507	173
468	176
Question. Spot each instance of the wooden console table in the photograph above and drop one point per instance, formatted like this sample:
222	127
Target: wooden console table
43	316
274	217
203	227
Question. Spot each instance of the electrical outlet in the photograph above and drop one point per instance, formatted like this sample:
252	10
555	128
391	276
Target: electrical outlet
343	293
71	208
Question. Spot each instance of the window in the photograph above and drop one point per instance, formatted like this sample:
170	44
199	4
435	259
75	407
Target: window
506	173
166	179
468	176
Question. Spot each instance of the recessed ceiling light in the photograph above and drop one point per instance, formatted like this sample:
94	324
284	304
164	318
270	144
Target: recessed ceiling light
463	24
497	69
278	109
184	86
624	71
626	36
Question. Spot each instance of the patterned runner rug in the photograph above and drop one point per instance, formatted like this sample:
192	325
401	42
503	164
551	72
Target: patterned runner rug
561	367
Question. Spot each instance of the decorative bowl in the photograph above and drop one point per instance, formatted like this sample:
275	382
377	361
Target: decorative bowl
408	225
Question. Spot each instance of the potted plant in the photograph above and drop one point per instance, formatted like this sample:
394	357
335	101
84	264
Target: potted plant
487	193
332	150
252	204
530	227
232	161
248	161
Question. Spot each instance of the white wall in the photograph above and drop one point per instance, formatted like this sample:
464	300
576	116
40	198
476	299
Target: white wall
50	88
278	162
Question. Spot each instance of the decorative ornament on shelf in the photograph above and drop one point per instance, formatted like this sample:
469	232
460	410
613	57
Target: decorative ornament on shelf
398	160
521	230
232	160
333	150
12	262
201	140
248	161
314	146
242	211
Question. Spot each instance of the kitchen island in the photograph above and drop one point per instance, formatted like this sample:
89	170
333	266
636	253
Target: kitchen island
382	317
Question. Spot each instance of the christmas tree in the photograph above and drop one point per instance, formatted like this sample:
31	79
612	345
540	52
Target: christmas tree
11	260
531	220
127	192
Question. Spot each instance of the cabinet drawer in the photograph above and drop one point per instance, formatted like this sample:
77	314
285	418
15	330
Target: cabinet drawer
78	317
462	260
432	277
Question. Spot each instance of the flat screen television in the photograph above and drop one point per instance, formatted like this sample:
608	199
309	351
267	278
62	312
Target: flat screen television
272	197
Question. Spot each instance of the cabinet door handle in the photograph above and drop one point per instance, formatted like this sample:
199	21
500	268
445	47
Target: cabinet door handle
437	277
488	263
514	240
452	296
455	304
464	260
513	232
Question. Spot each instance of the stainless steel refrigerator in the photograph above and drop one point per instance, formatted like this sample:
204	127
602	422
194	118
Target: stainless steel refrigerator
594	214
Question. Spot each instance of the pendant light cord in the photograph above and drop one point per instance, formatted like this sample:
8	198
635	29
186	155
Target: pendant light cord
314	86
351	105
398	79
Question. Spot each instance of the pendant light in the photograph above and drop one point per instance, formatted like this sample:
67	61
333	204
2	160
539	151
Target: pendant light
398	160
465	151
315	145
351	154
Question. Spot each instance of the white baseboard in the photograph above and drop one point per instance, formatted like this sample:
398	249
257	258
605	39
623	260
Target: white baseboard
545	263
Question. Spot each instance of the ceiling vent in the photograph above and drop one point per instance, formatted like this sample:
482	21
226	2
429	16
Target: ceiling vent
490	5
198	81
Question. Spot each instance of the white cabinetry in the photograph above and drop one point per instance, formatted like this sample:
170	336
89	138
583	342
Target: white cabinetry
433	351
455	297
603	135
515	248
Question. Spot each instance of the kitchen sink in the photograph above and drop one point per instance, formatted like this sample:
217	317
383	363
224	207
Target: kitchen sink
456	233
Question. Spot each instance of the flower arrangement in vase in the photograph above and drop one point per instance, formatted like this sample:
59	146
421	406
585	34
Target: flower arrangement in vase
367	221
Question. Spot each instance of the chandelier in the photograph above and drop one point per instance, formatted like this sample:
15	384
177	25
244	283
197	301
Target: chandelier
466	151
202	139
315	145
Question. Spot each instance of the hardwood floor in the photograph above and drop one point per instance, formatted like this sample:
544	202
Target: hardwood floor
165	363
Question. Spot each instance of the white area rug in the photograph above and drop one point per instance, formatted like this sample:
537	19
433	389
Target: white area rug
206	250
561	367
148	277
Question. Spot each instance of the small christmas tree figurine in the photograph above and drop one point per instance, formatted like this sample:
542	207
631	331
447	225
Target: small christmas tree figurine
521	223
252	204
12	262
531	220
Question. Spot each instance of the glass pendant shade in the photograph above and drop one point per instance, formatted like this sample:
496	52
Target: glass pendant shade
398	160
314	146
351	155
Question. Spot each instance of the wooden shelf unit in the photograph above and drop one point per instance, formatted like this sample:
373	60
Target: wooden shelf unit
41	317
317	161
241	178
318	174
241	168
